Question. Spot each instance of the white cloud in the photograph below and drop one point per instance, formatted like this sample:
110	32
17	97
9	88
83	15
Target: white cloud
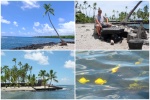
69	64
28	4
2	53
15	23
45	28
72	53
66	28
61	19
4	20
63	29
37	56
36	23
23	28
4	2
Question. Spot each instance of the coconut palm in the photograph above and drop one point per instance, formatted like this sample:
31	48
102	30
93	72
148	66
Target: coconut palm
117	14
14	59
76	5
114	14
20	64
94	8
85	3
14	75
33	80
30	68
28	80
6	74
52	76
80	7
48	11
42	74
26	67
89	6
126	9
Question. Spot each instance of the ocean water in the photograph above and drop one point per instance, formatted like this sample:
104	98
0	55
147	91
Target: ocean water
144	25
131	81
9	42
66	93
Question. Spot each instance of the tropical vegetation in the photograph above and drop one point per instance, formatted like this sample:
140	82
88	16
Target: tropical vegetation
22	73
49	10
82	16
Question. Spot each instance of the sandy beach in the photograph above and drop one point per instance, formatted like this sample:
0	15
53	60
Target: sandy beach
25	88
70	46
85	40
17	89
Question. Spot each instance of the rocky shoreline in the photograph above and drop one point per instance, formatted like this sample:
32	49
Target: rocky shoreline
39	46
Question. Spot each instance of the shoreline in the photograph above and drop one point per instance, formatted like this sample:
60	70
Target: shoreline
50	45
35	88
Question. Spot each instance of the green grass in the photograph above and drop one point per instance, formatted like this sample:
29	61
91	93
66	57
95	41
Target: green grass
64	37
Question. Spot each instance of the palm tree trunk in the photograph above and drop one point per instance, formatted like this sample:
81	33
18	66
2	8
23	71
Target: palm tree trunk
128	16
50	81
62	41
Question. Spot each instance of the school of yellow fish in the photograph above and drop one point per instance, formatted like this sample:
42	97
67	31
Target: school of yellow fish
101	81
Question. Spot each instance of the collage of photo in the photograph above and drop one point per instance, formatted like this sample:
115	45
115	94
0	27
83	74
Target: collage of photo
74	49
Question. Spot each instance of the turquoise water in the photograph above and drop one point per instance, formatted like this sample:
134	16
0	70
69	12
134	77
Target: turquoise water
9	42
66	93
131	81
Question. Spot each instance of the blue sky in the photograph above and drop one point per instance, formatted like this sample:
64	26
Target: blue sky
108	6
25	18
61	62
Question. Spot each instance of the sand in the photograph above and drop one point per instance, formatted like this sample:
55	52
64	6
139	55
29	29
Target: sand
17	89
23	88
70	46
85	40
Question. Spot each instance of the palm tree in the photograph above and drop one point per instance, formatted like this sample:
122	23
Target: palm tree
94	8
85	3
14	75
114	14
26	67
49	11
14	59
42	74
6	75
126	9
33	80
80	7
89	6
134	16
52	76
139	13
30	68
76	5
28	80
117	15
20	64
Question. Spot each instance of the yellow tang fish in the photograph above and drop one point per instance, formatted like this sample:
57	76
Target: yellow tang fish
100	81
83	80
114	70
139	61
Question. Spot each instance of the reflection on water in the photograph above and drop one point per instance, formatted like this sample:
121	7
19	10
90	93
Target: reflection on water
130	81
